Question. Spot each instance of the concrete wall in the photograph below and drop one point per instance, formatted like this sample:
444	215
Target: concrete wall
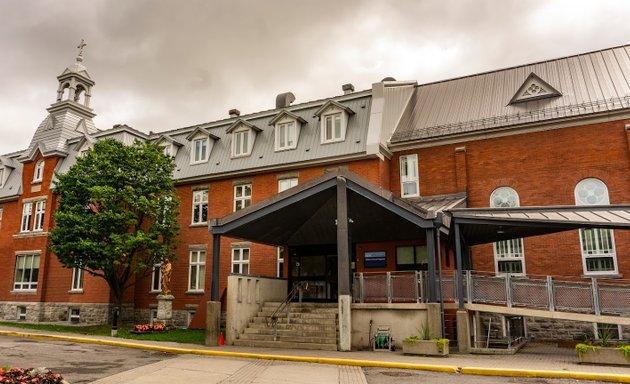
245	297
403	319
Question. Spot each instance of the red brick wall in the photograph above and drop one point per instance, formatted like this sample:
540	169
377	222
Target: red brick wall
544	168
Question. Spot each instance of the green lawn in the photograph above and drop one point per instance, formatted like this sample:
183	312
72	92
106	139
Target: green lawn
191	336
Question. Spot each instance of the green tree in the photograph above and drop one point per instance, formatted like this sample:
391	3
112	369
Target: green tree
117	214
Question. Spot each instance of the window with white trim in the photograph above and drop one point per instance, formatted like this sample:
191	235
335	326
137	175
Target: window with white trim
409	182
240	142
200	207
74	315
242	196
286	135
21	313
153	316
508	254
27	212
197	270
284	184
240	260
38	174
199	150
1	211
156	278
40	211
190	315
280	262
26	272
77	280
333	127
1	177
597	244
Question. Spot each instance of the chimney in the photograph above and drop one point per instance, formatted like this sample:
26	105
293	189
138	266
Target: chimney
234	112
283	100
347	88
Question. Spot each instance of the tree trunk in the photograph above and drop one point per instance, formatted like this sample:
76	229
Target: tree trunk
116	315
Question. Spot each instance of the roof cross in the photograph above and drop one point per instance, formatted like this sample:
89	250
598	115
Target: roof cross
81	45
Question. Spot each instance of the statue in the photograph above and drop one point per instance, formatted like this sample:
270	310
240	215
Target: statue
166	277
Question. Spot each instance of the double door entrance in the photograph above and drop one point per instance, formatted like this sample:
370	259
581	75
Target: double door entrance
316	267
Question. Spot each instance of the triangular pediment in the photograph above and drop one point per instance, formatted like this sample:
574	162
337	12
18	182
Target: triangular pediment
242	123
534	88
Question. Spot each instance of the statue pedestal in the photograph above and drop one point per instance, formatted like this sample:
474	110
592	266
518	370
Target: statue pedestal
165	310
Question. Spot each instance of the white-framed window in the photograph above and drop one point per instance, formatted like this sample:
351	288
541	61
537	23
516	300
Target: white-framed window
286	135
40	211
284	184
280	262
26	272
189	316
1	177
508	254
409	183
74	315
27	212
1	211
200	207
240	260
153	316
333	127
242	196
21	313
597	244
166	148
197	270
241	142
38	174
200	150
156	278
77	280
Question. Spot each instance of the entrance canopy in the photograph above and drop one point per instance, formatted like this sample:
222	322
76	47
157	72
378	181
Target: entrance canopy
479	226
307	214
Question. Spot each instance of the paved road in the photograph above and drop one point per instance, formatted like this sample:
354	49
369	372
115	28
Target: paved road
76	362
85	363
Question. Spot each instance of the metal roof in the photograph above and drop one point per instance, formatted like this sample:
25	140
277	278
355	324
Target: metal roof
589	83
13	184
306	214
479	226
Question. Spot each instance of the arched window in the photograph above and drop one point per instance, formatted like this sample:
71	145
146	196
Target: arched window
508	254
38	174
598	245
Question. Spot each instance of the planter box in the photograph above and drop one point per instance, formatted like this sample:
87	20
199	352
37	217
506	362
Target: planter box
424	347
603	355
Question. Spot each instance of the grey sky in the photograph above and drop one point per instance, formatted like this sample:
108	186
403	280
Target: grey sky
167	64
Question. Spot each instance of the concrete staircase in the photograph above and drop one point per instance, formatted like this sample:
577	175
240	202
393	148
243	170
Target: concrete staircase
311	326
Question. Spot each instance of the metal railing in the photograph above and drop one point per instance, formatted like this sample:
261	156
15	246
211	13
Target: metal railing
298	290
553	293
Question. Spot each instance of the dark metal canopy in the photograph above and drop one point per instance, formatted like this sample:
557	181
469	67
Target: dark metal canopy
479	226
307	214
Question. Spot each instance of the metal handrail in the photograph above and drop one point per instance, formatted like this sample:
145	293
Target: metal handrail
298	289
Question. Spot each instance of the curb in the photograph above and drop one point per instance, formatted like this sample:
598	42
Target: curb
335	361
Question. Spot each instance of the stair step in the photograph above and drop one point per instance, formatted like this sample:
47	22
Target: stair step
297	327
300	315
294	309
292	332
294	320
285	345
272	304
292	338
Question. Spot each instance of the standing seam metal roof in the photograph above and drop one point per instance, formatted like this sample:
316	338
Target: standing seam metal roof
589	83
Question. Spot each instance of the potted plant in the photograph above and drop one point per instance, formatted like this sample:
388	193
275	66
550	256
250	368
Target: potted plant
604	352
425	345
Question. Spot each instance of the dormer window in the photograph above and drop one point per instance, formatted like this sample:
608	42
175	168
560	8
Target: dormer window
243	137
240	143
200	143
38	174
200	150
1	177
334	121
287	129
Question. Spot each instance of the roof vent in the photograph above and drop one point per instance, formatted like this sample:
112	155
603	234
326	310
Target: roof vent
283	100
234	112
388	78
347	88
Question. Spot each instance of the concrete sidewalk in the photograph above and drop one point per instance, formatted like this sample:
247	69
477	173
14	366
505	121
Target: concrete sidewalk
535	360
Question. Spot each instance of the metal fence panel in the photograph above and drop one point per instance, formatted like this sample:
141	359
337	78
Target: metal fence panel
404	288
529	293
614	299
488	289
573	297
375	288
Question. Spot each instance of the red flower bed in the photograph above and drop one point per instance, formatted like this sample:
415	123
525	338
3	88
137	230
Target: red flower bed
29	375
149	328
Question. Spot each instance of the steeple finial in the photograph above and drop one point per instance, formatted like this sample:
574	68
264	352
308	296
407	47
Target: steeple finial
80	55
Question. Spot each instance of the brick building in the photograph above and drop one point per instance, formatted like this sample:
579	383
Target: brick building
543	134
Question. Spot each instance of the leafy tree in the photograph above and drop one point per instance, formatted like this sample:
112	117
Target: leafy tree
117	214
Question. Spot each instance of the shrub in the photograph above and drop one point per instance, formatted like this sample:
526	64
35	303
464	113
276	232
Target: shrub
29	375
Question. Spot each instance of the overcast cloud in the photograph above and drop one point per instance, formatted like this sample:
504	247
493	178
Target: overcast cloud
162	65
